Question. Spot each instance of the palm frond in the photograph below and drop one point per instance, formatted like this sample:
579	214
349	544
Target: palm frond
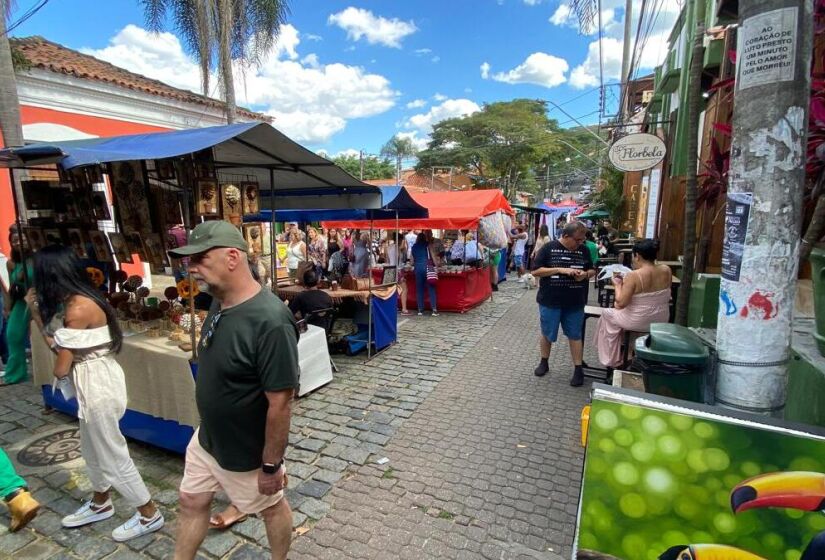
154	12
586	11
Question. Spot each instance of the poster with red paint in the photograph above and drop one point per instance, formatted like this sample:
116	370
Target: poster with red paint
737	213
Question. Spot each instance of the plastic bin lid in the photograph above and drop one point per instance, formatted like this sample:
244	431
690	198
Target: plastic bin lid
672	344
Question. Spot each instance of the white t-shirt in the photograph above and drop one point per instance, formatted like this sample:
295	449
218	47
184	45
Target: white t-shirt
520	243
410	237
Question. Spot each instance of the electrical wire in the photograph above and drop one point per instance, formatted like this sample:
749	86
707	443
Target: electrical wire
26	16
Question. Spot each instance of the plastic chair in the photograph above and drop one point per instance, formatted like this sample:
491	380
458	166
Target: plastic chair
324	318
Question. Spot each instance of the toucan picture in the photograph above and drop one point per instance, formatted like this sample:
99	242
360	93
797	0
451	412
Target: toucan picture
707	552
796	489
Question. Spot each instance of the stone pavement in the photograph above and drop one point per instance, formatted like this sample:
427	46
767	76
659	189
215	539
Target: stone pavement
484	459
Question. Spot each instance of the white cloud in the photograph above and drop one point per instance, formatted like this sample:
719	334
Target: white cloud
539	68
349	152
313	37
439	97
586	74
311	101
468	90
423	51
423	122
419	142
562	15
532	2
435	59
416	104
359	23
485	70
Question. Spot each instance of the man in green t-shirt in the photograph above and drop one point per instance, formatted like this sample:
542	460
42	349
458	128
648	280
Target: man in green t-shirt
247	376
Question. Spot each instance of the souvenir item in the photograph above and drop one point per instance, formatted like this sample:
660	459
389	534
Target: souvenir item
35	237
119	247
131	195
100	246
207	197
250	198
53	236
231	202
165	169
155	252
204	168
252	234
100	206
135	243
76	243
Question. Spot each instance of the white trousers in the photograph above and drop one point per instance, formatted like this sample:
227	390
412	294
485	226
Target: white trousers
101	392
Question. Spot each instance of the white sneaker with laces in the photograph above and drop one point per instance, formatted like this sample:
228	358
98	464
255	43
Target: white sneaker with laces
137	526
89	512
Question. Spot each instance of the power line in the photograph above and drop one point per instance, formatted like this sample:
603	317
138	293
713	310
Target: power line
26	16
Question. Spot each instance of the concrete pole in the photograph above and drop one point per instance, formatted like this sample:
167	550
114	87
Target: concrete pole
763	213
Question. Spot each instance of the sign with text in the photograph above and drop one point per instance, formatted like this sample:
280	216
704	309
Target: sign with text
737	212
767	48
637	152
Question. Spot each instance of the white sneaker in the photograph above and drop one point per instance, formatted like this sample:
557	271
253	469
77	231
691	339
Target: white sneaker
138	526
521	280
89	512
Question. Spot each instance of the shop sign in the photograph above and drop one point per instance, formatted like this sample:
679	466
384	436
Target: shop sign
637	152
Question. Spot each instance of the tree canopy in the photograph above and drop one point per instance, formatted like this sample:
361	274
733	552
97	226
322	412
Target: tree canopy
374	168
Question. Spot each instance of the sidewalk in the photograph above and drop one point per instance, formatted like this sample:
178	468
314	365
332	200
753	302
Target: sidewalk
484	457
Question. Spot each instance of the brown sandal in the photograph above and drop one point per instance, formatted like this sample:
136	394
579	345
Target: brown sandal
219	523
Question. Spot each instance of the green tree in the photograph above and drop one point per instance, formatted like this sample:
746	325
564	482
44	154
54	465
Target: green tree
218	32
374	167
398	147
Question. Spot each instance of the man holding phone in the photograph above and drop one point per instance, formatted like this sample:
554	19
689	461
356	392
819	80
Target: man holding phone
564	268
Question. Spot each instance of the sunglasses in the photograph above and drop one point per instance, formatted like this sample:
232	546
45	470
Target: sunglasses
206	338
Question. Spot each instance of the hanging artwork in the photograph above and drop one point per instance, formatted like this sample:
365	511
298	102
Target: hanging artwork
36	238
100	206
94	175
100	246
207	197
165	169
77	243
52	237
66	205
250	198
155	251
119	247
131	196
204	166
254	237
171	208
134	242
231	202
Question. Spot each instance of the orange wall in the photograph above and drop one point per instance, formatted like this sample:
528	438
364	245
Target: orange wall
98	126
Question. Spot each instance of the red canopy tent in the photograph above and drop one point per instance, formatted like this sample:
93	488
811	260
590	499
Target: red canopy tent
447	210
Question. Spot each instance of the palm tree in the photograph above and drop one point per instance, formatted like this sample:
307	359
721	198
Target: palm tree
218	32
398	147
10	125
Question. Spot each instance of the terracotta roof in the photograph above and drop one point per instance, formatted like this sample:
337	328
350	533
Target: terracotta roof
47	55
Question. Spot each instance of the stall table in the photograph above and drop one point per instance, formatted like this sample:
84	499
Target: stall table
456	291
160	384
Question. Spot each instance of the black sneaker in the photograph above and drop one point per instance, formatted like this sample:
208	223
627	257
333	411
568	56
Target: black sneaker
542	369
578	377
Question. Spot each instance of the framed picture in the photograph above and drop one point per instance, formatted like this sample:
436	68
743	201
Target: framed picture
100	246
165	169
390	275
155	251
170	208
94	175
131	196
36	238
77	243
70	208
250	198
254	237
231	203
204	166
134	242
100	206
52	237
120	248
207	197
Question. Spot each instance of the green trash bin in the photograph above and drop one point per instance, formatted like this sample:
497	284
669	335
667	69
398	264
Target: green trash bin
673	362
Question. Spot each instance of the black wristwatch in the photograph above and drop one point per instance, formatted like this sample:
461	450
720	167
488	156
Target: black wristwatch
272	468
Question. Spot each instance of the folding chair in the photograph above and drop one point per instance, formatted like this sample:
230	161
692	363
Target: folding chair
324	318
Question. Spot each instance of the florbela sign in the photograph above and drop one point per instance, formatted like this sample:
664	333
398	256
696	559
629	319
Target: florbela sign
637	152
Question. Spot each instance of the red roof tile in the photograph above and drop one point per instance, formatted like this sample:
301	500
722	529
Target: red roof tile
47	55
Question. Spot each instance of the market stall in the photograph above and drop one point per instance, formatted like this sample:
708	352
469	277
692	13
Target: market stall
459	288
112	199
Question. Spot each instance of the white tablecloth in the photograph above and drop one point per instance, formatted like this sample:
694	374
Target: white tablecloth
313	354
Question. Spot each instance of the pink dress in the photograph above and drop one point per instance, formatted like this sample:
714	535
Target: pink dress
643	309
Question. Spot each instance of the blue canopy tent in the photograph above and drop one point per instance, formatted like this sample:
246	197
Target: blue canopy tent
382	325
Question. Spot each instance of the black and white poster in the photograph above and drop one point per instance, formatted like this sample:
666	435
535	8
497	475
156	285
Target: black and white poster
737	212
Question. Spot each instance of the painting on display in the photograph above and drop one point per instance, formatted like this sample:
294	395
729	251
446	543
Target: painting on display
254	237
134	241
204	166
35	237
100	246
120	248
170	206
250	197
77	243
131	196
65	205
100	206
207	197
52	236
684	483
231	203
155	251
165	169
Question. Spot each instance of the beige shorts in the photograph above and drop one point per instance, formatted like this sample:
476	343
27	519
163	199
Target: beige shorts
202	474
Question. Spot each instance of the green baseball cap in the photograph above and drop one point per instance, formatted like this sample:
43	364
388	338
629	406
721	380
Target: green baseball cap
209	235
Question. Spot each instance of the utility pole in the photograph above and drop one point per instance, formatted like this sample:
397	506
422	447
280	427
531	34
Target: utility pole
763	214
625	78
361	163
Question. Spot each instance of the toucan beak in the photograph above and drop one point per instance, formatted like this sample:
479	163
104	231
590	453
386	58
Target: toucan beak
798	490
707	552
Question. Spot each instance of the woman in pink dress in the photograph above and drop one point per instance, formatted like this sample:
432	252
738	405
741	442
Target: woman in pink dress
642	298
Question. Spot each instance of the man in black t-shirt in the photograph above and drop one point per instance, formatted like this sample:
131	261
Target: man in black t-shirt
310	300
564	269
247	376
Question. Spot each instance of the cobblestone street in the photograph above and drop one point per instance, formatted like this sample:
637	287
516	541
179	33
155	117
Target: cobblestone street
484	459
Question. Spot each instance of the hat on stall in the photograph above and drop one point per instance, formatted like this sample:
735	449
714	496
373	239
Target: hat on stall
209	235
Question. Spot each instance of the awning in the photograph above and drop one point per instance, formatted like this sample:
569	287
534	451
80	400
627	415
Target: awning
447	210
248	149
531	209
596	214
394	199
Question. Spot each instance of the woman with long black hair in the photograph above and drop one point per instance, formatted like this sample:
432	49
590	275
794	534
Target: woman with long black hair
82	329
17	320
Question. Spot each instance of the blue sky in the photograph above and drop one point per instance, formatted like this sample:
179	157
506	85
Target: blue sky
348	75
